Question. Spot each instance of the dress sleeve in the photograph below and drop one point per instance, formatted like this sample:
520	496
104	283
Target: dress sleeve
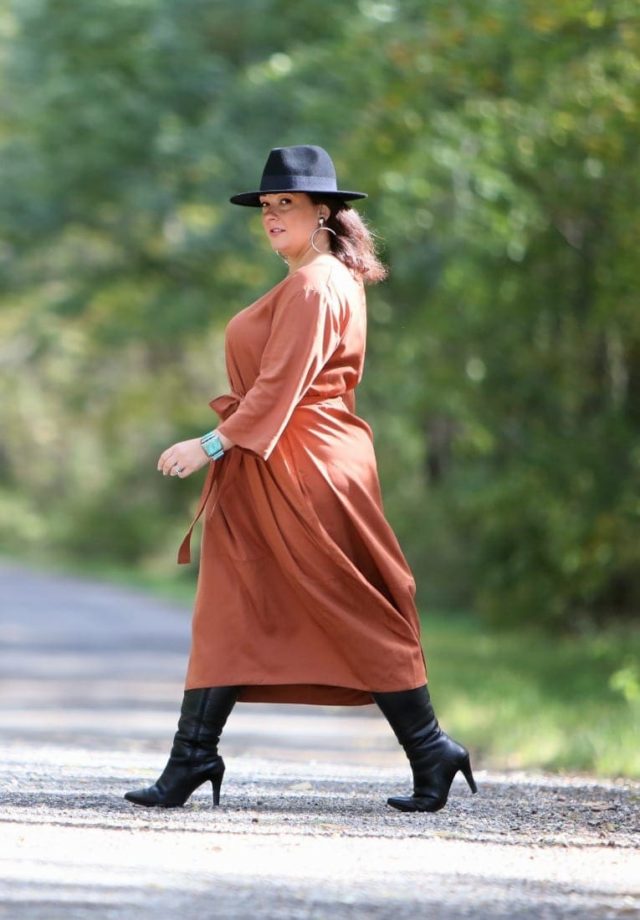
305	332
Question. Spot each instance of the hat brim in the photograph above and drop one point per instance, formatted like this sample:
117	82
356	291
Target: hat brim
252	199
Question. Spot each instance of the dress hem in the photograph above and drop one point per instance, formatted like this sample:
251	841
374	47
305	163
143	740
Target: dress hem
306	694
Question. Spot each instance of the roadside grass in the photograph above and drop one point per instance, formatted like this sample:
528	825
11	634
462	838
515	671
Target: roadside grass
522	699
518	699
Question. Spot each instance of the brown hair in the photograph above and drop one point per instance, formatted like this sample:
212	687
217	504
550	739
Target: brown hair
353	242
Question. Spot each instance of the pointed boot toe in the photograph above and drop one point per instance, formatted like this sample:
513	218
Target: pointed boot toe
150	796
416	803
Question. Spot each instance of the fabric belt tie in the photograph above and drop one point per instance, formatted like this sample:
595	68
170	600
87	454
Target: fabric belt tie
223	471
225	406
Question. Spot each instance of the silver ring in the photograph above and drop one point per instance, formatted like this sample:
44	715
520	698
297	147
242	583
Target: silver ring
178	469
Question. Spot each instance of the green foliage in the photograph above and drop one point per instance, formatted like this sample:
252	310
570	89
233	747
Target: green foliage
499	142
523	701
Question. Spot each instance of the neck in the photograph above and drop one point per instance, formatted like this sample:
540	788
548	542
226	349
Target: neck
305	258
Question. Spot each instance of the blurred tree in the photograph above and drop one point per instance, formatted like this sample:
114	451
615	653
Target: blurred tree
499	143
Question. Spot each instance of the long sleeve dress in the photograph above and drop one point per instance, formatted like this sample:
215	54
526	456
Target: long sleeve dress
304	595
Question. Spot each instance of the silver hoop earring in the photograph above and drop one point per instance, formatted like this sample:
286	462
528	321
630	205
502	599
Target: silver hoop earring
317	230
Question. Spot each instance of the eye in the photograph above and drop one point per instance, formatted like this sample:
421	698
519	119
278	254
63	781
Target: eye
284	202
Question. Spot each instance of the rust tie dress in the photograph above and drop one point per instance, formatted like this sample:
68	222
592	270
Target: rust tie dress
304	595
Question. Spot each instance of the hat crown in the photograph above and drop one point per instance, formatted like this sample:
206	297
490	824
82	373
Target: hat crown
302	160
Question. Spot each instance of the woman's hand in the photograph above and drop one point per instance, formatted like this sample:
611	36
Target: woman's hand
183	458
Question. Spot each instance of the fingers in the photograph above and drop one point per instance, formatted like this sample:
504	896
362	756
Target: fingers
165	461
170	465
175	468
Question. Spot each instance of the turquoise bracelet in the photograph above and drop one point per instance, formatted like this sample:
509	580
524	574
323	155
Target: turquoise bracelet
212	445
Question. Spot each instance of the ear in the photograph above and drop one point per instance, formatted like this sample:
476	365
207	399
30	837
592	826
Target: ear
323	211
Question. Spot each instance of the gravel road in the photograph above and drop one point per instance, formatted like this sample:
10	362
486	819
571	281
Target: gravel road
91	683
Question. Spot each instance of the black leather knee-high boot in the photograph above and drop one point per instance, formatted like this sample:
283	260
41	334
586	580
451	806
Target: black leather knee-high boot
435	758
194	756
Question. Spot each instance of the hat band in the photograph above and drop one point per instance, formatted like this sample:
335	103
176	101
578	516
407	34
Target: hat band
298	184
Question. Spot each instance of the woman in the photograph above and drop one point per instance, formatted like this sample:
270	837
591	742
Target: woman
303	594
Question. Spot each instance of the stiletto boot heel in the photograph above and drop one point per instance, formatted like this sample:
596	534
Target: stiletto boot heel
216	782
468	775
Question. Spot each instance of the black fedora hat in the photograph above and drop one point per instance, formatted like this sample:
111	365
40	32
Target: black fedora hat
297	169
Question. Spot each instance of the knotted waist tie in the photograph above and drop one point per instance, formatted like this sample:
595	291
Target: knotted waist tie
223	471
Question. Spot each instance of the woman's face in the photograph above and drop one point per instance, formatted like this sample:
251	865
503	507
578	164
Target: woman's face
289	219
